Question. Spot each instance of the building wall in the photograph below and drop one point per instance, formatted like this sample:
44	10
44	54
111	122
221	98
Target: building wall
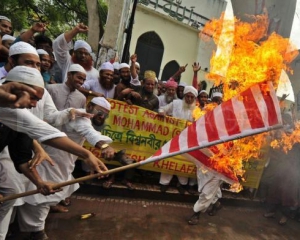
180	41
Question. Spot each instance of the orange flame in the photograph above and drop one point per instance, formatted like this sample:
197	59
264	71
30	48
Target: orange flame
254	58
284	140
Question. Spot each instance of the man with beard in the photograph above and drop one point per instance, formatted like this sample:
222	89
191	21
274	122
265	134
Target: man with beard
170	93
129	80
81	53
144	96
182	109
66	95
102	87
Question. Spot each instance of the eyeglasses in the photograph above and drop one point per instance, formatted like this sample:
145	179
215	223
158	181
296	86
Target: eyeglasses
101	113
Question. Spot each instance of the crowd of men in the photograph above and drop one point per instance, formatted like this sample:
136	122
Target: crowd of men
44	115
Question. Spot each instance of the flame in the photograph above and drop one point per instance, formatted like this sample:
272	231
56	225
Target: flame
285	140
254	56
246	56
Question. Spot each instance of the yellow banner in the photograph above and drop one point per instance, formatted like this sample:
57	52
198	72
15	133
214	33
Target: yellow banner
142	132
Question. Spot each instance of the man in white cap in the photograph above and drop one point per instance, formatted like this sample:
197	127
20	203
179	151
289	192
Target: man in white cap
182	109
102	87
217	97
79	130
20	53
129	78
81	54
5	28
7	40
66	95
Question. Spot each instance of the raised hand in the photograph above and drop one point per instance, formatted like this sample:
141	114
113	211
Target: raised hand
133	58
182	68
38	27
196	67
81	28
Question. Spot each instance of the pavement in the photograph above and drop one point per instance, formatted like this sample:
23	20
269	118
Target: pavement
121	218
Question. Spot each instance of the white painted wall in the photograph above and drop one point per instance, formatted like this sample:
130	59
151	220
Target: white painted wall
180	40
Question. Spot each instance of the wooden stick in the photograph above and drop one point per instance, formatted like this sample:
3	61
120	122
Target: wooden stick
73	181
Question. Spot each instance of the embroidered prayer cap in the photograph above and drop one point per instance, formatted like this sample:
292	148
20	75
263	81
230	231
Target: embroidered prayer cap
42	52
149	75
217	94
27	75
123	65
107	66
182	84
4	18
102	102
171	83
137	64
190	89
76	68
116	65
82	44
8	37
21	48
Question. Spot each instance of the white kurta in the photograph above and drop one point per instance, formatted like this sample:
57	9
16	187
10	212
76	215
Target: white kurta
61	50
176	109
95	86
78	131
22	120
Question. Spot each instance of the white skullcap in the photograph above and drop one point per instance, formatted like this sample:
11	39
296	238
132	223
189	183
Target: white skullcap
107	66
123	65
190	89
82	44
102	102
4	18
182	84
42	52
27	75
76	68
202	91
137	64
164	82
116	65
8	37
217	94
22	47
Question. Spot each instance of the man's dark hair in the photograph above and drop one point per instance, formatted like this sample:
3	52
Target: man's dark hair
40	38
